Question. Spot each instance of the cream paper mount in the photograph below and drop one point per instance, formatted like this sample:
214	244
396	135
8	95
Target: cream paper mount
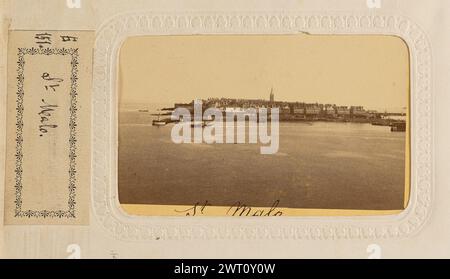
48	104
106	208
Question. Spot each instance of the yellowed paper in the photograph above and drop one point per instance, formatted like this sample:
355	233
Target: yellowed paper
421	229
48	143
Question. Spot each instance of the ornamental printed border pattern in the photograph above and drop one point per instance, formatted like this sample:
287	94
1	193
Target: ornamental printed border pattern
70	212
104	189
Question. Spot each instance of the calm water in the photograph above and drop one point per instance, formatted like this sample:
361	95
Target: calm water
323	165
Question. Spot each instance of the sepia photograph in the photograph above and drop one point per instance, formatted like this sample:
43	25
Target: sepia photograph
161	130
260	124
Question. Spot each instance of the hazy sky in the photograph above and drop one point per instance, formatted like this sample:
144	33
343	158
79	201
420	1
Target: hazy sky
372	71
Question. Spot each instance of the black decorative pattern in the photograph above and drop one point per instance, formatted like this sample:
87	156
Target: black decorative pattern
70	212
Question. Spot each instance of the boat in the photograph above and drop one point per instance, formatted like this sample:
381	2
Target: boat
202	124
159	122
208	123
196	124
143	110
398	127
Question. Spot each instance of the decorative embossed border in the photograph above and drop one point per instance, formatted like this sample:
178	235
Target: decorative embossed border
104	155
70	212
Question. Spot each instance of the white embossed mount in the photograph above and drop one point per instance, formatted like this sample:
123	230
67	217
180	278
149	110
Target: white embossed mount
104	130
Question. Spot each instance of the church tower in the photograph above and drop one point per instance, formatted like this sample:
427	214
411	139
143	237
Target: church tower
272	96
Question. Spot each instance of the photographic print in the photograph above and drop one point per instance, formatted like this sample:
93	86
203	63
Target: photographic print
257	124
155	130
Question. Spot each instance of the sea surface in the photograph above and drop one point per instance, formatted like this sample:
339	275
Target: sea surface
319	165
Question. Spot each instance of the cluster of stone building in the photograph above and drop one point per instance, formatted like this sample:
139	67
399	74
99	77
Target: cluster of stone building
289	110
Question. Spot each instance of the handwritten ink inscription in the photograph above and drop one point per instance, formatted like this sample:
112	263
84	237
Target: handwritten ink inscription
46	114
48	72
51	84
69	38
237	209
43	39
47	109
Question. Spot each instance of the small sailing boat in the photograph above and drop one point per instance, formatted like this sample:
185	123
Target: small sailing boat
159	122
208	123
398	127
201	124
197	124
